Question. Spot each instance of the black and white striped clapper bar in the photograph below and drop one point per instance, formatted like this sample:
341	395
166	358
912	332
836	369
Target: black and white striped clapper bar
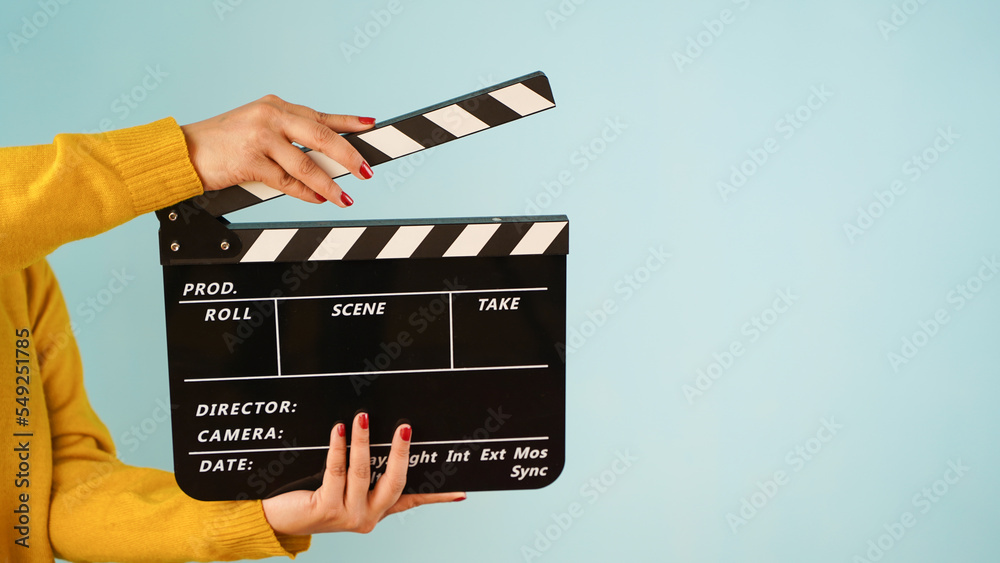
276	332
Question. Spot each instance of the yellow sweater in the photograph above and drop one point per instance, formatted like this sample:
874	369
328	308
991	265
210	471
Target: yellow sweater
63	491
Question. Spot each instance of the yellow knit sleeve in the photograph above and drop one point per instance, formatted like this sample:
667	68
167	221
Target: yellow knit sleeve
83	185
104	510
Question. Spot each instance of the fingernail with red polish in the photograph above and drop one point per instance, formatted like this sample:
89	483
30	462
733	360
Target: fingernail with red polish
404	433
363	421
346	199
321	198
367	120
459	499
366	171
340	430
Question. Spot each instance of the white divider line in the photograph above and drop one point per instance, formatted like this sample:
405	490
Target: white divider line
348	373
451	328
350	295
277	337
428	443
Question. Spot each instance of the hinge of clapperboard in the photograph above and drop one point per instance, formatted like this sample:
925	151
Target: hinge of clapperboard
194	231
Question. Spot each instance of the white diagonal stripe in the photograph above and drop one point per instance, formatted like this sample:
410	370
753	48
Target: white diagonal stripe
269	245
538	238
337	242
391	141
332	168
521	99
261	190
404	241
264	192
472	239
456	120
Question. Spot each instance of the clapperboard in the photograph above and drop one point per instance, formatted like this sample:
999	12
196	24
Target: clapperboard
275	332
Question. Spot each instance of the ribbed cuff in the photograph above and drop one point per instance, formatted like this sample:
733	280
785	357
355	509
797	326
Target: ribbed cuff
294	544
247	534
153	162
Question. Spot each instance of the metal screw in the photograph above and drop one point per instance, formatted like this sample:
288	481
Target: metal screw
172	216
175	246
224	245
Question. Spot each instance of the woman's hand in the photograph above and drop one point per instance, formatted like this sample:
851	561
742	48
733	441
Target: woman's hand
254	143
343	502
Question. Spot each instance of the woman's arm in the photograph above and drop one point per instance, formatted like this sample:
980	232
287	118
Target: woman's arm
83	185
104	510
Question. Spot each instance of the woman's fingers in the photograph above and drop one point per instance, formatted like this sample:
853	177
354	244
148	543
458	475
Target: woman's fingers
339	123
255	142
359	472
407	502
318	136
314	181
335	476
390	485
343	502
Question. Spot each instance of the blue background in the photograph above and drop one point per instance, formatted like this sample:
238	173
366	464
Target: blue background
653	184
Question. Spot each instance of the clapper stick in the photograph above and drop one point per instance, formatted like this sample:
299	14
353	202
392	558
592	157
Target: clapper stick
413	132
276	331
